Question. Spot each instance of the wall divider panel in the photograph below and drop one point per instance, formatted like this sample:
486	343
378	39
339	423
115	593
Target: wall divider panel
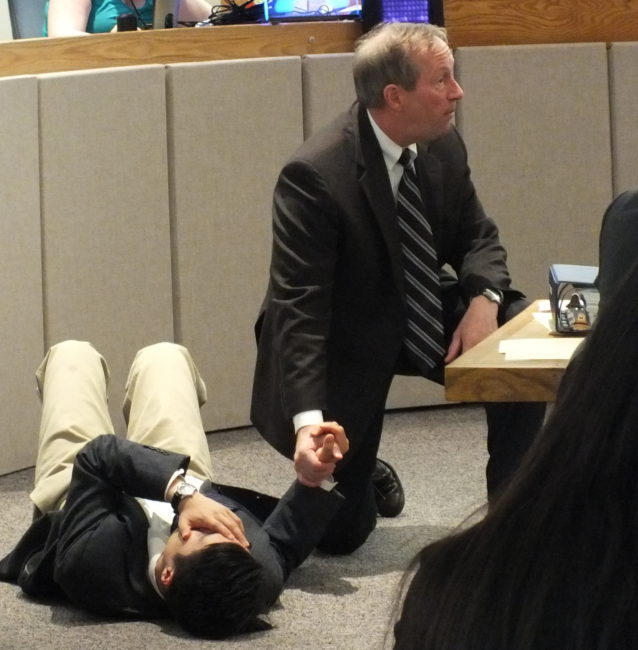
232	125
21	344
105	213
623	82
536	123
328	89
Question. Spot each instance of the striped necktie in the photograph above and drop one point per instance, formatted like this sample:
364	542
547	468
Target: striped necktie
424	337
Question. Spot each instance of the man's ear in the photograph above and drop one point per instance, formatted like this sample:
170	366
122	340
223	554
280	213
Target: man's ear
393	95
166	576
164	570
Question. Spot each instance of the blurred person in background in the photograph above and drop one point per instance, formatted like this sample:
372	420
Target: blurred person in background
80	17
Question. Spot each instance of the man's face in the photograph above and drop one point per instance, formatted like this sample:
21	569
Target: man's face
198	539
429	108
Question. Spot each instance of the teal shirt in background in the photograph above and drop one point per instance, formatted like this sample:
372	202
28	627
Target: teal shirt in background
104	13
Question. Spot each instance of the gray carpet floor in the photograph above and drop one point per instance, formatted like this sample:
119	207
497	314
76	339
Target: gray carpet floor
340	603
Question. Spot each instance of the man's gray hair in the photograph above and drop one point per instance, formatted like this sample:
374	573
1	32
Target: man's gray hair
383	56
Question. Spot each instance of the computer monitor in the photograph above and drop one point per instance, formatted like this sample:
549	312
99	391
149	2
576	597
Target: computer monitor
311	10
403	11
370	12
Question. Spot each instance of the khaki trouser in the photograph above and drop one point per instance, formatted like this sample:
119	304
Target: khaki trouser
163	394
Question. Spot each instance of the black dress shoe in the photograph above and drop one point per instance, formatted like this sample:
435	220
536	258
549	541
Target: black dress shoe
388	491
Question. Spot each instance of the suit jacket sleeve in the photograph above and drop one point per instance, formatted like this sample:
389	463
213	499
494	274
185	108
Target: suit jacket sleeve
299	521
289	535
305	247
466	237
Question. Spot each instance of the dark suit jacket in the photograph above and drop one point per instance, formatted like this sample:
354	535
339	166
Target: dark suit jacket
94	551
332	322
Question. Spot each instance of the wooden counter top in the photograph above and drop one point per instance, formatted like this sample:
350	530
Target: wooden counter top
483	375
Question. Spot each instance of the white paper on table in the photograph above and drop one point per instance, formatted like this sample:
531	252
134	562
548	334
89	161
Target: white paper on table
555	349
545	319
543	305
544	315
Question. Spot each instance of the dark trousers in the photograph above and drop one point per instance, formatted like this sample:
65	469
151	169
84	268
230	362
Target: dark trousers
511	426
357	517
511	429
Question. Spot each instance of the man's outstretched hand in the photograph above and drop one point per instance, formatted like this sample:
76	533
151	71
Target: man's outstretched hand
319	448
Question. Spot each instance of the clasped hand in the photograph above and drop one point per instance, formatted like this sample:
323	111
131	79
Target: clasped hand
319	448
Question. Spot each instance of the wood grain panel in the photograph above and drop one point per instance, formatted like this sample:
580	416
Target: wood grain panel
38	55
533	384
508	22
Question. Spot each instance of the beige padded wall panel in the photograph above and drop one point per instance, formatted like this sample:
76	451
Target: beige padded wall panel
328	88
21	338
106	229
536	123
623	71
407	392
232	126
6	33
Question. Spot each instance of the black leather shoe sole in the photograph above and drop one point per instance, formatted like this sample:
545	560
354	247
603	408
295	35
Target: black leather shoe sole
388	491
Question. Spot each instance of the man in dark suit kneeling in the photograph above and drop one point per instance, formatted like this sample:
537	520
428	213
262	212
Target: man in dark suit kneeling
369	216
135	527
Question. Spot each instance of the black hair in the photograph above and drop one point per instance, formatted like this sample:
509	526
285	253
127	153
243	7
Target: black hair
617	243
553	563
215	592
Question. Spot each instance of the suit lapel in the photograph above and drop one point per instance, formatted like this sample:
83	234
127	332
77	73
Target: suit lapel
376	187
430	175
373	178
256	504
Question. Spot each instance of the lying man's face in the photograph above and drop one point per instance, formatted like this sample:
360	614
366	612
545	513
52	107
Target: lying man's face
176	544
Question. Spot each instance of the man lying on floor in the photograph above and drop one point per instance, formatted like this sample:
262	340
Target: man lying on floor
135	527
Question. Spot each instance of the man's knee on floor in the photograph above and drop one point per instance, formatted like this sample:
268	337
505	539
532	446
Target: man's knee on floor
345	540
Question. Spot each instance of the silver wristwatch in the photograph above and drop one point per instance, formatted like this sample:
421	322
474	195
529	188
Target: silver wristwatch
493	295
182	491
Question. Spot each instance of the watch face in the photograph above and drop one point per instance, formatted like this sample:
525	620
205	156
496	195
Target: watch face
186	489
181	491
